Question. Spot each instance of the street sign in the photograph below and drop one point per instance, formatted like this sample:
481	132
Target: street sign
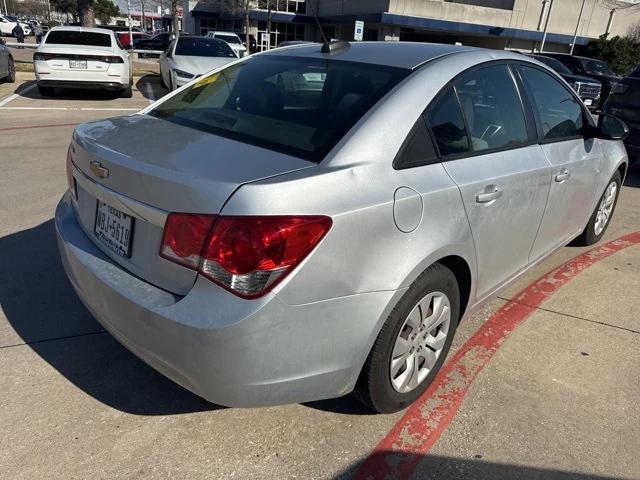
358	32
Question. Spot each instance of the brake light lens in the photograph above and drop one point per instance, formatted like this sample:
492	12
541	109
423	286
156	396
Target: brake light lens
44	56
246	255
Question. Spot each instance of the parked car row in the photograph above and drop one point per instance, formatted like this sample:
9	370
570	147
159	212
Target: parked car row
9	22
7	65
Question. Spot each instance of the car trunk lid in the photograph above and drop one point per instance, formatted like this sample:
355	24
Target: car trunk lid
147	167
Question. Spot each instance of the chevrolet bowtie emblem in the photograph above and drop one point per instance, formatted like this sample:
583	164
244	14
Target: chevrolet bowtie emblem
98	170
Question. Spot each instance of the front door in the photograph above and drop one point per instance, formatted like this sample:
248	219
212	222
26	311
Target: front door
489	150
575	160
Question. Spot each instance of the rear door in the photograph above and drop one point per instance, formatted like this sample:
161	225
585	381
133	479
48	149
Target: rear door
487	141
575	159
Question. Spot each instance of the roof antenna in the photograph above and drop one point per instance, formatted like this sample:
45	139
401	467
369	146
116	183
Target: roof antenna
313	10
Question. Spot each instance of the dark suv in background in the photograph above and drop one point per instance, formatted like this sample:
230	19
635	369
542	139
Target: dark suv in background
587	88
589	67
624	103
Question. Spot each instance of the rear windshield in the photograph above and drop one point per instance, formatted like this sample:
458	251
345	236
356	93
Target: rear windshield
73	37
203	47
298	106
228	38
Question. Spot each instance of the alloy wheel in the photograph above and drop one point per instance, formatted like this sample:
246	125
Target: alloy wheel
420	342
605	208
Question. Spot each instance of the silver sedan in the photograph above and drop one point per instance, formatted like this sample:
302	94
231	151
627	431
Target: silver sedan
7	65
317	220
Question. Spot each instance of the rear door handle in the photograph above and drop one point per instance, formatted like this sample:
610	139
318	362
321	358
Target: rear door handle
491	193
563	175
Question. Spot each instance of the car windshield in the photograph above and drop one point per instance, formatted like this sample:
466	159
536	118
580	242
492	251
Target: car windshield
293	105
74	37
597	67
554	64
203	47
228	38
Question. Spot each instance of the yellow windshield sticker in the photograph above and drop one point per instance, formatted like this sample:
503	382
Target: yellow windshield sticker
207	80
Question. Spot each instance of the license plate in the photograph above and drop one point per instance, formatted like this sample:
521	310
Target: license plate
80	64
588	102
114	229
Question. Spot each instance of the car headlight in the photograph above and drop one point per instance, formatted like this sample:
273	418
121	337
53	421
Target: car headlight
183	74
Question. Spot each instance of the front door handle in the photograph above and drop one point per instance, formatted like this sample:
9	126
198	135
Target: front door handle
491	193
562	176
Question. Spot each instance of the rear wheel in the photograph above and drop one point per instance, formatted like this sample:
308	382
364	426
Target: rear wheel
601	217
46	91
412	344
127	92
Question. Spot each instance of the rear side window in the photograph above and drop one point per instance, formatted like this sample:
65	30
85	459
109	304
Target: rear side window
560	114
447	124
299	106
72	37
492	108
417	149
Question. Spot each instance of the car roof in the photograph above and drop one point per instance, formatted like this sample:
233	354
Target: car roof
408	55
225	33
82	29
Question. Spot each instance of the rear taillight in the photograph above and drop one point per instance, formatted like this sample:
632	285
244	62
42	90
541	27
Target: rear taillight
619	88
44	56
109	59
246	255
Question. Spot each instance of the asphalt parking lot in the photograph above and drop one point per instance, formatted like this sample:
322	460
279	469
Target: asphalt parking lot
541	384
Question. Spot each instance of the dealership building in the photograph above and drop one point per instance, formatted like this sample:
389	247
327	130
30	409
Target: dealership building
502	24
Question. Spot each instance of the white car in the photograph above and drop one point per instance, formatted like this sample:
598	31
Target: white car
6	25
190	57
232	39
26	28
78	57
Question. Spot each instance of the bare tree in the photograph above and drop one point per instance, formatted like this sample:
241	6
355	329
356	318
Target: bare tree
634	32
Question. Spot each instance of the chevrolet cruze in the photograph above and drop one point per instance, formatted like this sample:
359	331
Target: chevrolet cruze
318	219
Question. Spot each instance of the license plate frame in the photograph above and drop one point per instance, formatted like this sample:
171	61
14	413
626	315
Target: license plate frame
106	229
78	64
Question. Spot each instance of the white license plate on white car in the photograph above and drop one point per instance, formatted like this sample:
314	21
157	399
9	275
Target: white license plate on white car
79	64
114	229
588	102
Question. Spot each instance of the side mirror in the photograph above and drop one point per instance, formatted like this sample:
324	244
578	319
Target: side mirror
611	128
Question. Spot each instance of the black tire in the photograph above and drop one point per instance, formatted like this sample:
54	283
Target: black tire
374	388
46	91
127	92
588	236
11	77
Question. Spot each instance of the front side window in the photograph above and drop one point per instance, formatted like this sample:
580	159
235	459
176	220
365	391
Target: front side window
492	108
560	113
597	67
447	125
74	37
298	106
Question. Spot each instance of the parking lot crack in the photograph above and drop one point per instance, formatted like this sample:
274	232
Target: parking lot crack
575	317
55	339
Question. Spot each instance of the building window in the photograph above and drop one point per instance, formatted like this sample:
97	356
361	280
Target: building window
501	4
280	32
289	6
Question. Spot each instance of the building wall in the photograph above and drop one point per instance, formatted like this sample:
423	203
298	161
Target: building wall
525	14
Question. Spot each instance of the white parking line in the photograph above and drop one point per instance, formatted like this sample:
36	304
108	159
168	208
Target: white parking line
149	90
84	109
10	98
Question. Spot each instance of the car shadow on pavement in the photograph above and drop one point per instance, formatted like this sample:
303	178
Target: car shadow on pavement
633	176
66	94
151	88
43	309
400	466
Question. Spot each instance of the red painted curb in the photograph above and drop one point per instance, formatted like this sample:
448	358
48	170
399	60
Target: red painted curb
401	450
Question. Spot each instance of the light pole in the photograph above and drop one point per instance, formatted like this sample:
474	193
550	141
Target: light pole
129	20
575	34
612	14
546	26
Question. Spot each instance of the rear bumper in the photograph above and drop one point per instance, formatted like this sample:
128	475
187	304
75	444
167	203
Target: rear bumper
82	84
230	351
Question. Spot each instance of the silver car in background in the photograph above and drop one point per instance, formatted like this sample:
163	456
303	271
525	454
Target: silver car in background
316	220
